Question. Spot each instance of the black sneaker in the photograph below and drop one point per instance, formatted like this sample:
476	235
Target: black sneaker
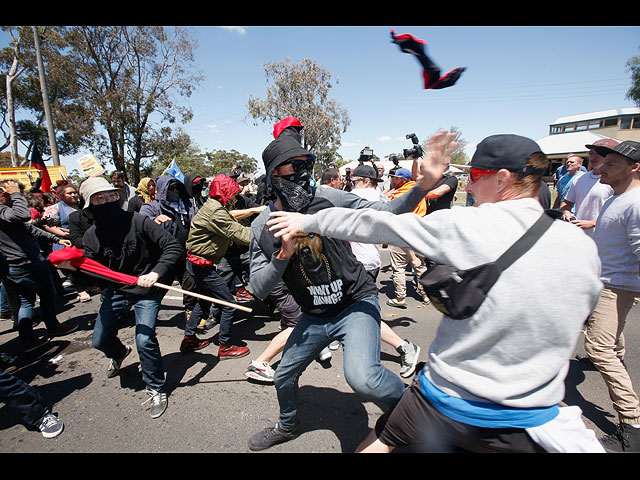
625	440
35	344
115	364
269	437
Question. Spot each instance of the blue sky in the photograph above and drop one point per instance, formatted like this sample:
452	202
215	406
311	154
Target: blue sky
518	80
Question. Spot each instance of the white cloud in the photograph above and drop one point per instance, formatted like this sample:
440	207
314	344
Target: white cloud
388	138
212	128
238	30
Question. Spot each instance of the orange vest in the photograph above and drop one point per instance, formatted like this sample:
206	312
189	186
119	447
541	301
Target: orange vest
421	209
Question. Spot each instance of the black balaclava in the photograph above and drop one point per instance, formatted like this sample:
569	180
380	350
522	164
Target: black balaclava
107	212
295	190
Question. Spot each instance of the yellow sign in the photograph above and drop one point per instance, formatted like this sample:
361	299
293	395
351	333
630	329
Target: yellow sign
21	174
90	166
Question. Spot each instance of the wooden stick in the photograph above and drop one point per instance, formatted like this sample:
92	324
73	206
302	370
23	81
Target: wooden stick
203	297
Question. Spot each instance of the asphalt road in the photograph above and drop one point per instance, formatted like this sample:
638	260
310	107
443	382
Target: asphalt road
213	408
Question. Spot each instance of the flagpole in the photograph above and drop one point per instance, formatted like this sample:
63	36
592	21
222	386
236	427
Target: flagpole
203	297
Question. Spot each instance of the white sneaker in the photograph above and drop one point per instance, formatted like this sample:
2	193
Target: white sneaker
158	401
325	354
409	355
334	345
260	371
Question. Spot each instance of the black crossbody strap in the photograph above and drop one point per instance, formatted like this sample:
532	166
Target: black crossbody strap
527	240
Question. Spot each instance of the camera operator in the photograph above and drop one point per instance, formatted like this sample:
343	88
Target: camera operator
495	380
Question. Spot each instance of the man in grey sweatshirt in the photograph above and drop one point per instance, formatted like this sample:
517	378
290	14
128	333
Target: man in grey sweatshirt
494	380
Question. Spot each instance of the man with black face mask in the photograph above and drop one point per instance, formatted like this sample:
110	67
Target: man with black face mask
339	301
130	243
173	208
194	185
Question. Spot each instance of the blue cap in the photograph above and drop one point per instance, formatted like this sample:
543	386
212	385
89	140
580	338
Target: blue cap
402	173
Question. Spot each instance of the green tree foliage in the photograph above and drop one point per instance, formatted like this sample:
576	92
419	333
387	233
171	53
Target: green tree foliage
73	124
232	160
301	90
208	164
633	66
128	76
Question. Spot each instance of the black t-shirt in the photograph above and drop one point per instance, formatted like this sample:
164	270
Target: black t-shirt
323	276
445	200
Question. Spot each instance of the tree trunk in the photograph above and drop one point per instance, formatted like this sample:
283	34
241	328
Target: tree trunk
11	76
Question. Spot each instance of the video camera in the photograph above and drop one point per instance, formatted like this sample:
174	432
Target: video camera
416	151
366	155
396	164
348	185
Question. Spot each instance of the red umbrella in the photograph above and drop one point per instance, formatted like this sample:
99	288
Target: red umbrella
73	256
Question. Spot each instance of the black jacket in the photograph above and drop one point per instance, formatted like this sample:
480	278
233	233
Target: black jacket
134	245
18	238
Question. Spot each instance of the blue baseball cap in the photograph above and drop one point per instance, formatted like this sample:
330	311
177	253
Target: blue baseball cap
402	173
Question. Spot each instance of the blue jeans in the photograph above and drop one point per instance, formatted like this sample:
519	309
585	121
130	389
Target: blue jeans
4	301
23	398
25	282
209	283
115	305
357	327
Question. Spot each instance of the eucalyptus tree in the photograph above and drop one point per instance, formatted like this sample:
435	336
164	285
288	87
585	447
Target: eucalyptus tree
302	90
130	78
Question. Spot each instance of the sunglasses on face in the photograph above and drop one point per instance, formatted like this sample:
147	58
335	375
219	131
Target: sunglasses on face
297	164
476	173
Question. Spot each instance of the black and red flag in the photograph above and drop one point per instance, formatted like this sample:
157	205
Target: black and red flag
430	71
38	163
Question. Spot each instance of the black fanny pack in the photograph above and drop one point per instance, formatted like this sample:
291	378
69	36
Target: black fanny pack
459	293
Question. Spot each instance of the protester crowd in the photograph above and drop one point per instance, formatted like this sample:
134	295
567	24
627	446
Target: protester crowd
309	248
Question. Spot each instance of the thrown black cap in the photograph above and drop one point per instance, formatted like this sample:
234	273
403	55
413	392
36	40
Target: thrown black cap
280	150
507	151
627	148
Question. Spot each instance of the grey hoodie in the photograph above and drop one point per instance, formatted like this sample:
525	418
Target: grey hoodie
515	350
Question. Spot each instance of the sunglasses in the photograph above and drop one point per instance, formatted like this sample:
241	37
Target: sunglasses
298	164
476	173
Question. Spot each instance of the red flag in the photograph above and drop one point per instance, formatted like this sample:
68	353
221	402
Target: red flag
38	163
75	256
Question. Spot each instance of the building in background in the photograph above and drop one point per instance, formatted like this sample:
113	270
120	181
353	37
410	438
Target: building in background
570	134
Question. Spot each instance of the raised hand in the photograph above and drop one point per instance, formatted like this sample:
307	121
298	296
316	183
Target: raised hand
436	159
